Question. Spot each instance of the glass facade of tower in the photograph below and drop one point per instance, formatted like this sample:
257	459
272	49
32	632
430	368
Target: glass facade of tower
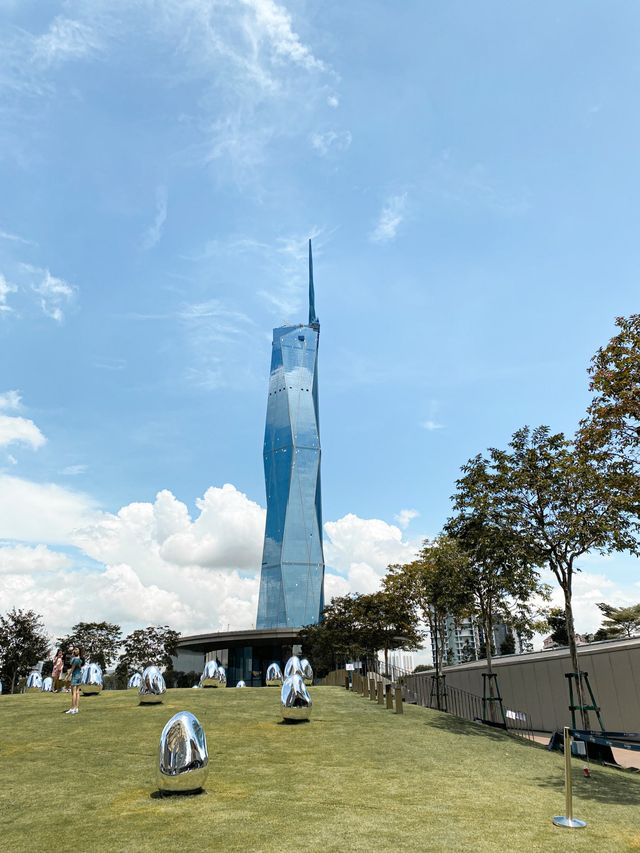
292	574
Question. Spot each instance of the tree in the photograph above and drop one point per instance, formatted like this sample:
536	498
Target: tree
23	643
152	646
508	645
385	621
99	641
423	667
620	621
613	417
557	504
557	622
435	585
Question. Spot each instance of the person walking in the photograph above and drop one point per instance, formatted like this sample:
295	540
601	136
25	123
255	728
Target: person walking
56	673
75	665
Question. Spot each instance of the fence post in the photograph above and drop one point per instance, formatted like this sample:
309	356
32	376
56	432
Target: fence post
389	697
372	690
399	709
380	693
346	682
568	820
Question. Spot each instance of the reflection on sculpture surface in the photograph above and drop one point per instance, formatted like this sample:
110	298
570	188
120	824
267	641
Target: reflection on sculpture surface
34	682
0	688
91	679
307	671
47	685
134	682
292	573
183	760
292	667
274	675
152	686
295	702
241	684
213	675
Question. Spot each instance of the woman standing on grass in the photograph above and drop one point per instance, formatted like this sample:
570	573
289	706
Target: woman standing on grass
76	677
58	666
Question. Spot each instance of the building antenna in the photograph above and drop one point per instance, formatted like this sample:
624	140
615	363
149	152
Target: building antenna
312	296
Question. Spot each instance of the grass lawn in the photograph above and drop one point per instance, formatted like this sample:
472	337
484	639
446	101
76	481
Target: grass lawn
357	777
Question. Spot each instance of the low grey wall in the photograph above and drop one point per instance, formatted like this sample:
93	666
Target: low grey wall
536	683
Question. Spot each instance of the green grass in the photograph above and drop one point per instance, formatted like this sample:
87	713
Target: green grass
357	777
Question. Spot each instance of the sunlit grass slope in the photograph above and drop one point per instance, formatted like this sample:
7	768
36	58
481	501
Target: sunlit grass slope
356	778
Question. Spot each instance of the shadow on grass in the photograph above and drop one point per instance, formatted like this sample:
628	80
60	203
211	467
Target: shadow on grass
176	795
611	787
458	726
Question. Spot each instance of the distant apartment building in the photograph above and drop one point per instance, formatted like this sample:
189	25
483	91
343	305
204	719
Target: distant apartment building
464	640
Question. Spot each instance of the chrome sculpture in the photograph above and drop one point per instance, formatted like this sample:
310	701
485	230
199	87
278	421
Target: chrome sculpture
241	684
34	683
91	682
152	686
274	675
307	671
295	702
134	682
47	685
292	666
0	688
183	760
213	675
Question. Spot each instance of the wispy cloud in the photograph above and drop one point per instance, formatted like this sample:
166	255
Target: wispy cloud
10	400
390	219
333	141
333	101
432	423
405	517
16	430
153	234
55	293
5	289
14	238
66	39
74	470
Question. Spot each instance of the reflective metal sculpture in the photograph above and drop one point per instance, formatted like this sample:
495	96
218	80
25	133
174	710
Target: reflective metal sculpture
134	682
0	688
183	760
241	684
307	671
152	687
34	683
295	702
213	675
47	685
292	666
91	682
274	675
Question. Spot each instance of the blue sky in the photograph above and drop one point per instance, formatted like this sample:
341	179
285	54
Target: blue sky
469	175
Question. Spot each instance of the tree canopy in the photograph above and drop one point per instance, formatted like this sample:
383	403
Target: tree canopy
146	647
23	643
100	641
620	621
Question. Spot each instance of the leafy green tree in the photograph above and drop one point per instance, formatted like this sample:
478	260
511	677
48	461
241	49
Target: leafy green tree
436	586
613	417
423	667
557	504
508	645
146	647
557	622
620	621
23	643
385	621
100	642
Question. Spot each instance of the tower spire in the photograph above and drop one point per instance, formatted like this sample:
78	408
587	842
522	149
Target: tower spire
312	296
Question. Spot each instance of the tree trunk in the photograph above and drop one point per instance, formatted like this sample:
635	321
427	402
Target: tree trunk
386	661
573	652
487	627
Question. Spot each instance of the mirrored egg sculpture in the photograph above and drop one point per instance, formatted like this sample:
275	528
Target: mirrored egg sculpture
47	685
307	671
241	684
274	675
222	676
0	688
34	683
295	702
210	675
152	687
91	683
134	682
292	666
183	760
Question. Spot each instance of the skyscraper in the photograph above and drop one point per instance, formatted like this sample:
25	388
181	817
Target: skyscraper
292	574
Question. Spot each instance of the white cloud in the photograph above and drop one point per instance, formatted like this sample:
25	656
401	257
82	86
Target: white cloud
14	430
5	289
153	234
333	101
41	512
10	400
431	425
272	25
24	559
55	293
66	39
390	219
405	517
333	141
74	470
